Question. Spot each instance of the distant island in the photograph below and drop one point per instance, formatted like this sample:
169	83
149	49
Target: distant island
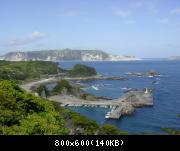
65	55
174	58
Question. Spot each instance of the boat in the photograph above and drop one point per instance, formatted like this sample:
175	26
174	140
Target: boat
107	116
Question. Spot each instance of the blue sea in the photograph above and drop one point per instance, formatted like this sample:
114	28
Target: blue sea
147	119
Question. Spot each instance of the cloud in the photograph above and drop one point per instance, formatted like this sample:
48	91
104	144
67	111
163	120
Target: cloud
175	11
33	37
123	13
70	13
164	20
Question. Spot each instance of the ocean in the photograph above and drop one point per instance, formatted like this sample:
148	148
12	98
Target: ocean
146	119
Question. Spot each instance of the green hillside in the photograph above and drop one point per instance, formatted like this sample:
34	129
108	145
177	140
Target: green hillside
82	71
27	70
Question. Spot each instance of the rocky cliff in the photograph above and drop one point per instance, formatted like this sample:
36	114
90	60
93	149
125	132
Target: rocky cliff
65	55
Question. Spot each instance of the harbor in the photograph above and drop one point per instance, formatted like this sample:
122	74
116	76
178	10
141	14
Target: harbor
124	105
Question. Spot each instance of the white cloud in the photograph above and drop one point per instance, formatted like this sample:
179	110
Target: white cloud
36	35
175	11
70	13
123	13
33	37
164	20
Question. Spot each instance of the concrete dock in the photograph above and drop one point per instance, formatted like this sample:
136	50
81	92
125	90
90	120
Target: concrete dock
124	105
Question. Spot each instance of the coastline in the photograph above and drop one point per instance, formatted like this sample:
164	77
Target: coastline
28	85
124	105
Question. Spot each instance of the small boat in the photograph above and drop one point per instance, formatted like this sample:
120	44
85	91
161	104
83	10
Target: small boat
95	88
107	117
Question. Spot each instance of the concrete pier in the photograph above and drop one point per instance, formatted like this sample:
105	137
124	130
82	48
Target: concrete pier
124	105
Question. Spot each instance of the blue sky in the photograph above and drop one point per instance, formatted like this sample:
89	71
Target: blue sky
145	28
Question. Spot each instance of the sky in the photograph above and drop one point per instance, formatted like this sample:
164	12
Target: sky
144	28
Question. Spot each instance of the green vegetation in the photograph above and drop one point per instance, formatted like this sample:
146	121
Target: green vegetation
87	96
110	130
42	91
31	70
27	70
171	131
82	71
25	114
75	120
63	86
179	115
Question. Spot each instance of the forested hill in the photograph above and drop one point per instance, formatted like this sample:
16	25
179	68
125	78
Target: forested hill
27	70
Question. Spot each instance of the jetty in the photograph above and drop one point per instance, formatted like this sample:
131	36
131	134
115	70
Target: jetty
124	105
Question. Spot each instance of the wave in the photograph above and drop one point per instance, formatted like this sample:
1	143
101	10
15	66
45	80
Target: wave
95	88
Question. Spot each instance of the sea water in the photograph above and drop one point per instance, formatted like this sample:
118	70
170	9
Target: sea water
146	119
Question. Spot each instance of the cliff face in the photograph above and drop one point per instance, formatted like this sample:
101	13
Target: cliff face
65	54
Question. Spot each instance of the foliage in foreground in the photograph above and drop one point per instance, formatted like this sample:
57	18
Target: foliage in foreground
110	130
23	113
171	131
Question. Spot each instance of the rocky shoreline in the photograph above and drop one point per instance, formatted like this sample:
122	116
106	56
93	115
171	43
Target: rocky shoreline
150	73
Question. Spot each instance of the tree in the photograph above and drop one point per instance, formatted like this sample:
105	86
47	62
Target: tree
110	130
82	71
23	113
42	90
62	86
